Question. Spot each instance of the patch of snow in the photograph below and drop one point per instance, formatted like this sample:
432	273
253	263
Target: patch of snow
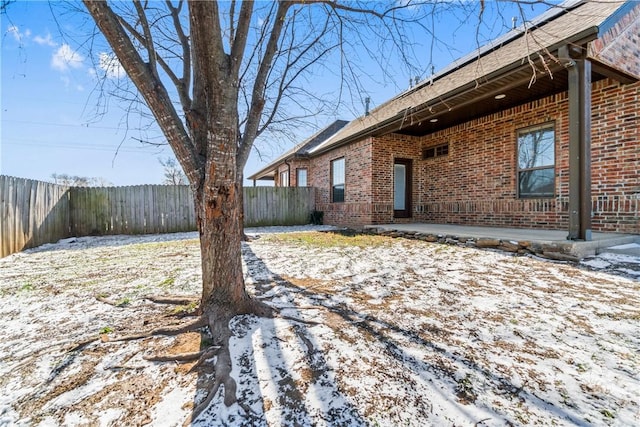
619	258
170	410
399	333
110	416
598	263
627	246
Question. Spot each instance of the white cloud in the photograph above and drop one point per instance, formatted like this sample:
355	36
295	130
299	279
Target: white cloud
66	81
18	35
45	41
65	57
111	66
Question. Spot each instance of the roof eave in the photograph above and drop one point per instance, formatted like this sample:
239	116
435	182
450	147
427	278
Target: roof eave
395	123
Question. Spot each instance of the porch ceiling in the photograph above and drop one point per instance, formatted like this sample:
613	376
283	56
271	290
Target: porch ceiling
512	90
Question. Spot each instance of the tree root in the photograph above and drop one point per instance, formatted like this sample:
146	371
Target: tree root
206	355
201	356
82	344
218	321
172	299
107	301
169	331
222	377
297	319
217	318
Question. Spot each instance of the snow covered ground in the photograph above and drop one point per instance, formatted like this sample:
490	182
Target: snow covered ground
395	332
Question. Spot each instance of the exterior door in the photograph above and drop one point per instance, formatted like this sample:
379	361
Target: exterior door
402	188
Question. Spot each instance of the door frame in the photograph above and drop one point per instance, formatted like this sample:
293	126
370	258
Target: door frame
408	164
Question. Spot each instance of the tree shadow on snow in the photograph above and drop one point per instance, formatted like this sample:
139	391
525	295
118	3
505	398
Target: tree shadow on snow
291	391
288	381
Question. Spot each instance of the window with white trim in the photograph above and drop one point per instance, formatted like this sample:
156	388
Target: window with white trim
337	180
536	161
301	177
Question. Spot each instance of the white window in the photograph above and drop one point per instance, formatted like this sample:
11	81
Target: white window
301	177
337	180
536	161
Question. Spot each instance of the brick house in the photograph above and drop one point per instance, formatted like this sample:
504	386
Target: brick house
539	129
291	168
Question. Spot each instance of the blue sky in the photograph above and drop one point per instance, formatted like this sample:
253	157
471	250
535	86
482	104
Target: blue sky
53	120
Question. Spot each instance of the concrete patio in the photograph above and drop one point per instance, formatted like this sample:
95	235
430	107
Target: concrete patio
549	243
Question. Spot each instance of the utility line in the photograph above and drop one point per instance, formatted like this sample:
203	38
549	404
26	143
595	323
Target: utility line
82	125
88	146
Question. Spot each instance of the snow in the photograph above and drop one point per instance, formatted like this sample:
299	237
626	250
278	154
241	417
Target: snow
389	332
627	246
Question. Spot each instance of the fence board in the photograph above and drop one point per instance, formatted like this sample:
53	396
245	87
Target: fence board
277	205
35	212
31	213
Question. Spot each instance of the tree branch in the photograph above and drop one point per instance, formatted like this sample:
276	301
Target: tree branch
240	39
185	82
257	96
150	87
148	39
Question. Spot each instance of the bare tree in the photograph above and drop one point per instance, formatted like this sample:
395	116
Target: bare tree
78	181
237	69
173	174
4	5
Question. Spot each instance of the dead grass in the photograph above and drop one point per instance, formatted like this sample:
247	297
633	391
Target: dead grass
404	333
330	239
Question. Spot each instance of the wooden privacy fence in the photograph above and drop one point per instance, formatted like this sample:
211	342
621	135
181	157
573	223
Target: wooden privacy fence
31	213
278	205
140	209
34	212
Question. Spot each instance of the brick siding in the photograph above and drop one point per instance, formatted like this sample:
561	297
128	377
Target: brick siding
618	46
357	206
291	166
475	183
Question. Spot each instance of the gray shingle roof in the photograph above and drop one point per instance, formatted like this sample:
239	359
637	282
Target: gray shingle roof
568	23
302	149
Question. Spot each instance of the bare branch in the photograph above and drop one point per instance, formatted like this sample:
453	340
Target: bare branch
148	39
183	85
150	87
240	40
257	96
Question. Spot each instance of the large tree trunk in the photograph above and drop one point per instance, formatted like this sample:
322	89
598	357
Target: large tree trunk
218	218
218	204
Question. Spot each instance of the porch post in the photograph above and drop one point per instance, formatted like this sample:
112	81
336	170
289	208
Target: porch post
579	148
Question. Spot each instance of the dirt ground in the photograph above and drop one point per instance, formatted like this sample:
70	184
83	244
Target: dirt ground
389	332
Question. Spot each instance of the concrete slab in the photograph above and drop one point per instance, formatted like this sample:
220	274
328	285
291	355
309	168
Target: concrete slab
551	238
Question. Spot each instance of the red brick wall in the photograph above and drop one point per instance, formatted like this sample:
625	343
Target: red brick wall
292	166
356	208
618	46
615	156
476	183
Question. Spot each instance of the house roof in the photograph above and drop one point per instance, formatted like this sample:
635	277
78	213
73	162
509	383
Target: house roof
301	150
524	64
